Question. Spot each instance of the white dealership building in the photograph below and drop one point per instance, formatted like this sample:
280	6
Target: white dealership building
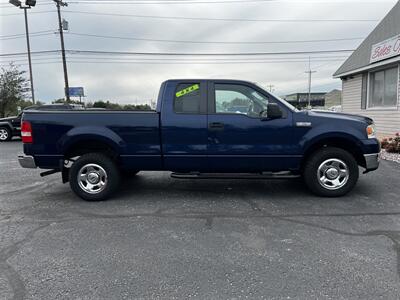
371	76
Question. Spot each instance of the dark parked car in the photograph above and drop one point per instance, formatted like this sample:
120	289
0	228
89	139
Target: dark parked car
11	126
193	135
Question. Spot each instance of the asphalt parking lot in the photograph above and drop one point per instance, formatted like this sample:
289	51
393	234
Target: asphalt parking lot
210	239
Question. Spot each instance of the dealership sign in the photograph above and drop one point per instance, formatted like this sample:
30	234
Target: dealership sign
387	48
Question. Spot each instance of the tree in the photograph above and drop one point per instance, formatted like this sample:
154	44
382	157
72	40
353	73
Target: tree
100	104
13	89
116	106
63	101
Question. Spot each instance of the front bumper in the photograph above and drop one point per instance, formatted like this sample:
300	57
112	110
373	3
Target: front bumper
371	161
27	161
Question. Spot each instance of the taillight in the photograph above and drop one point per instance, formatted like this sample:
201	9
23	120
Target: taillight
26	132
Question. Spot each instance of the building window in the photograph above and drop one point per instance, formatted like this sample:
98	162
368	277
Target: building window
383	88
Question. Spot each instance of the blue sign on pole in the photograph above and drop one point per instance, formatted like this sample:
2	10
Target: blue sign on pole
76	92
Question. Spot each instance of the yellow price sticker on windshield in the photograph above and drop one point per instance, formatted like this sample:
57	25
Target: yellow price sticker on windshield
187	90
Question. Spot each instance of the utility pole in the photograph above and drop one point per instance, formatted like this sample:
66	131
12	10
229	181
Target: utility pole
29	52
28	5
60	3
309	81
270	87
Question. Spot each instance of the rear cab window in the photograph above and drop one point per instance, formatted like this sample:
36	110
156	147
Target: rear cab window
187	98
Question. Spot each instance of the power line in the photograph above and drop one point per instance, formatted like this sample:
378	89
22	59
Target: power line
218	19
23	34
30	35
177	61
51	32
51	56
95	57
172	63
213	42
95	52
201	18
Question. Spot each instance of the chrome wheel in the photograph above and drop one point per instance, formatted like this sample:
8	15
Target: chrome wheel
3	134
92	178
333	174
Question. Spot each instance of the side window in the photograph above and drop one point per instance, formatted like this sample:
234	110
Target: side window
239	99
187	98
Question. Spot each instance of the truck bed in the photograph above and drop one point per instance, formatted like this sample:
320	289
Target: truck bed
134	134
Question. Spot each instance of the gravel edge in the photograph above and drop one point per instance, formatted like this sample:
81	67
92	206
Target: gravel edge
390	156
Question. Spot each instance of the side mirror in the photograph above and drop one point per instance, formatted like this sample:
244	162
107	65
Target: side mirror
273	112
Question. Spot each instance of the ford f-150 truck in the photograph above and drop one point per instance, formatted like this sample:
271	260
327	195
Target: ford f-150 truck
201	129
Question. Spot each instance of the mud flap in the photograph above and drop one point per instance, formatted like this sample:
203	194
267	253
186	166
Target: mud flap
65	175
64	170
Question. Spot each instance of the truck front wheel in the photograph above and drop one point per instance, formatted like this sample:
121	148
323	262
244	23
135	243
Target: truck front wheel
331	172
94	177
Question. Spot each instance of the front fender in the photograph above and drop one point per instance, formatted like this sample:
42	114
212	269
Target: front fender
334	135
320	135
7	124
91	133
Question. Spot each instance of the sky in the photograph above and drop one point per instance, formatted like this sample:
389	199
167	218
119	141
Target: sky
191	27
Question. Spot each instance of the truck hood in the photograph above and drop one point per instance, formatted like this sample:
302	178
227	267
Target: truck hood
339	116
7	119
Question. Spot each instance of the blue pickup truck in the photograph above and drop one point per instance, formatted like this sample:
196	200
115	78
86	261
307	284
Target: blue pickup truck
201	129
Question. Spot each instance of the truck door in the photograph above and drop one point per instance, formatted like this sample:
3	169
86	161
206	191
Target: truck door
184	126
240	137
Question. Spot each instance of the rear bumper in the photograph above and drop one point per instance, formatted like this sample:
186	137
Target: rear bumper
371	161
27	161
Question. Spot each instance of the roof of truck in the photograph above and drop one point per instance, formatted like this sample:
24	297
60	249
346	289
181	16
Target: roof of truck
210	79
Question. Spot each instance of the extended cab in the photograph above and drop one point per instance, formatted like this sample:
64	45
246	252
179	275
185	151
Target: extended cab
202	129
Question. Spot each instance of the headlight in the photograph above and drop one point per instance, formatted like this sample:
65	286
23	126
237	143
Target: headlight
371	131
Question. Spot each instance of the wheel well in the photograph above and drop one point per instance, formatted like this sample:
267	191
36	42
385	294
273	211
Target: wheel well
7	126
90	146
342	143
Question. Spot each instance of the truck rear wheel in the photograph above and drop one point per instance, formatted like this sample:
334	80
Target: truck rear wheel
94	177
331	172
5	134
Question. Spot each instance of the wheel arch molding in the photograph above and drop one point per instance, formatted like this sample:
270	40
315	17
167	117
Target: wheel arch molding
346	142
82	140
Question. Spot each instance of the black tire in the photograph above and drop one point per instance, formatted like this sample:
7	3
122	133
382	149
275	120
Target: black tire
106	171
329	156
5	134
